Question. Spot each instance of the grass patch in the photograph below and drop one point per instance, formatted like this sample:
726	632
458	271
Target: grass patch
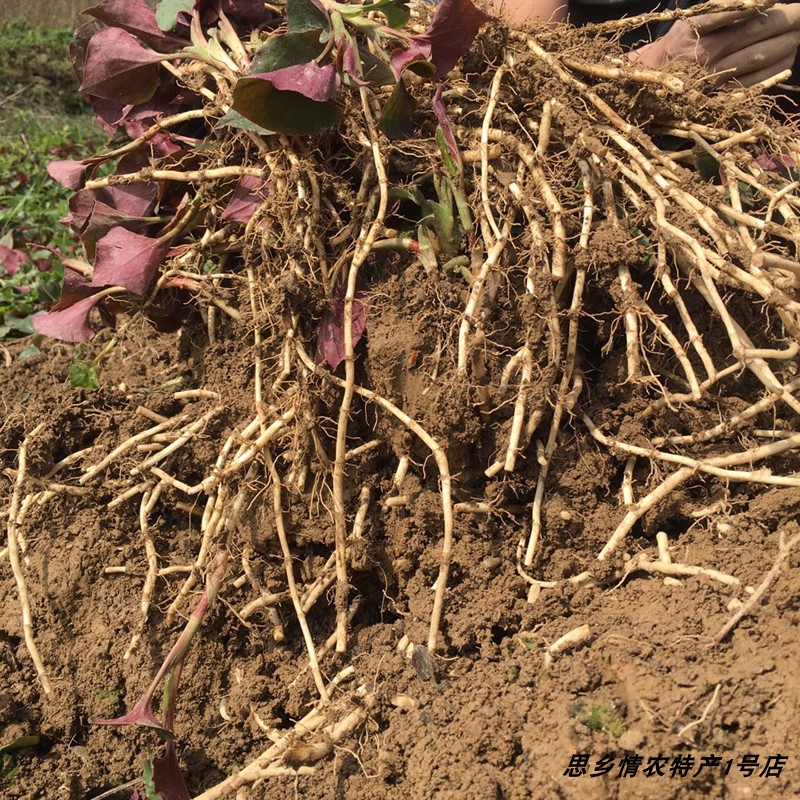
600	719
35	70
42	118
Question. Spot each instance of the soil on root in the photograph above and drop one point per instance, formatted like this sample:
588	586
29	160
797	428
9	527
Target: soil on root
493	721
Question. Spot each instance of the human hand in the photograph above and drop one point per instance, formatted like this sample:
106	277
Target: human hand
747	46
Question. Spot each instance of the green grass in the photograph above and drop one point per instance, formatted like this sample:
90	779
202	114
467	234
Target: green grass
42	119
600	718
35	70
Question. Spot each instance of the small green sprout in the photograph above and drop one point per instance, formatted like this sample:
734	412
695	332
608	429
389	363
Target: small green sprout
600	718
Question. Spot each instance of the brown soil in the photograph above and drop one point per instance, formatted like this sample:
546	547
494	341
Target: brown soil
489	716
493	722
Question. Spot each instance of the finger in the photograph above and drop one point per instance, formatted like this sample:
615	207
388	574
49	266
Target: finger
783	14
763	30
758	76
708	23
759	56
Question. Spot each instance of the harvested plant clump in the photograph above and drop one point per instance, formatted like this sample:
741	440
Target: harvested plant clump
416	291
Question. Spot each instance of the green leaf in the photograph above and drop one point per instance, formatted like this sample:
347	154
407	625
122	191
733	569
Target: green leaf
396	120
426	254
82	375
707	166
425	69
28	352
168	10
18	326
397	14
20	742
304	15
233	119
443	224
401	193
451	165
149	783
287	51
376	71
282	111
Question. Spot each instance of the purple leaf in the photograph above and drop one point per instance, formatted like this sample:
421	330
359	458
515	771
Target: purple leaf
118	68
418	51
71	174
444	124
11	259
140	714
779	164
93	213
108	113
330	343
113	204
136	17
247	196
128	259
69	324
168	99
130	199
167	777
75	286
310	80
249	12
350	60
79	45
453	29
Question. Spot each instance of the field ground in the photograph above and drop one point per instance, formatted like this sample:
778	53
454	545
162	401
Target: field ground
494	723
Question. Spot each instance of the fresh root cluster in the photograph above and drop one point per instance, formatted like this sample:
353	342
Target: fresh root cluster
572	222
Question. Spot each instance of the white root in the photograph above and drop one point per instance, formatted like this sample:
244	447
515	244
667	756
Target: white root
13	557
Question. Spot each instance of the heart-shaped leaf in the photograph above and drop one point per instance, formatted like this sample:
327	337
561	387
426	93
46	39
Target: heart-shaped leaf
93	213
287	50
248	195
71	174
69	324
128	259
138	18
289	100
118	68
330	342
306	15
396	120
453	29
